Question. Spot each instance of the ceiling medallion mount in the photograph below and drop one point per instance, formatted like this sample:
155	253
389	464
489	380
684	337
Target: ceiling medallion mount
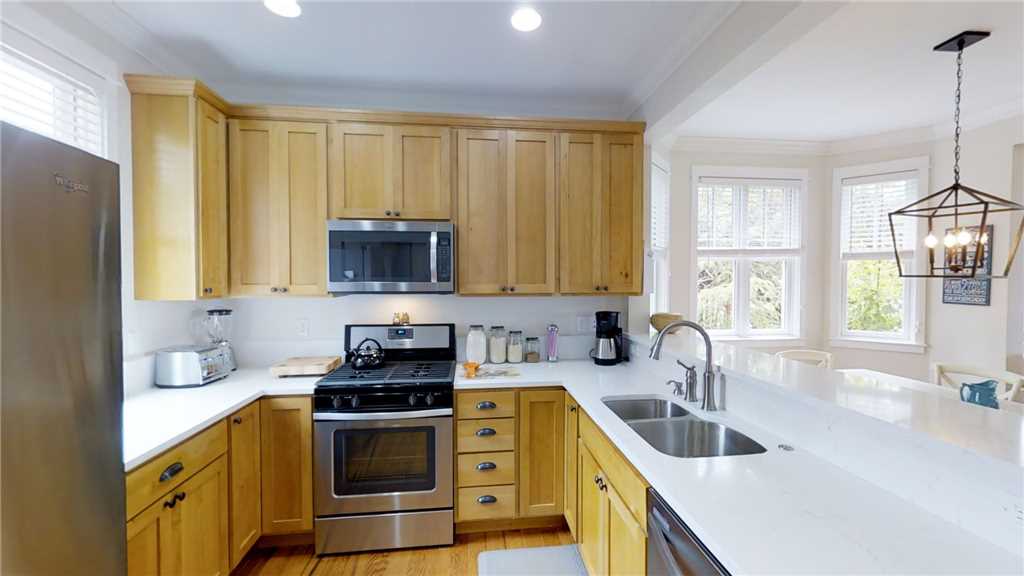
959	212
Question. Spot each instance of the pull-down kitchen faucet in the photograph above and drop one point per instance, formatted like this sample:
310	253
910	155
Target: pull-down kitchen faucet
708	401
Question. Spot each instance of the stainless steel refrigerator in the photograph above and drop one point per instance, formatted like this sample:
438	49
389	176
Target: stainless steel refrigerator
61	469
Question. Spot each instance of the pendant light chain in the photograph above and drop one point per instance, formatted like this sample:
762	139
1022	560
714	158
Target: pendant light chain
956	116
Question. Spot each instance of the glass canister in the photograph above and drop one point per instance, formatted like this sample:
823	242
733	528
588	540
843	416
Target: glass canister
532	349
515	346
498	345
476	344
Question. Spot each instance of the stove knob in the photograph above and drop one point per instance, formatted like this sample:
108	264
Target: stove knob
412	399
430	399
337	402
355	401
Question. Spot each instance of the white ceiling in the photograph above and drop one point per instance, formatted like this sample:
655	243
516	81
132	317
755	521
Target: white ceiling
869	69
590	58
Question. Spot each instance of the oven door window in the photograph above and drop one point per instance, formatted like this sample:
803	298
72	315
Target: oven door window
379	256
380	461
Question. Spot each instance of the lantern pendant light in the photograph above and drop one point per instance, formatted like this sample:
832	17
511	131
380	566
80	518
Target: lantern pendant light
959	213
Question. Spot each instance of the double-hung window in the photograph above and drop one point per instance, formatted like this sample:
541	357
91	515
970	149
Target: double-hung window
748	253
874	303
659	238
39	98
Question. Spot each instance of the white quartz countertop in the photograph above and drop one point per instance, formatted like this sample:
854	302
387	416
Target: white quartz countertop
774	513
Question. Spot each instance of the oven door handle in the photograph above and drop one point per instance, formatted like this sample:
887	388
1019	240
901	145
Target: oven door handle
352	416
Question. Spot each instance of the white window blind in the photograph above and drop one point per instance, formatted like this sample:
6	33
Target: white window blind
748	214
866	204
659	209
38	98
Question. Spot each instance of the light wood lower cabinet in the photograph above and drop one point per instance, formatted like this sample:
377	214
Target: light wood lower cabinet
592	531
186	531
541	452
244	458
286	461
572	426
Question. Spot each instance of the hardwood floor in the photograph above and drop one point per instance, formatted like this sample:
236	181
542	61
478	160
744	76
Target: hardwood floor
457	559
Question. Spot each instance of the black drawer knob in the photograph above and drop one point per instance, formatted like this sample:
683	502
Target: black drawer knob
171	471
486	432
483	466
486	405
487	499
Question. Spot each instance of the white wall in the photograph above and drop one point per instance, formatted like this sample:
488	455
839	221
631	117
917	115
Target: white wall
987	336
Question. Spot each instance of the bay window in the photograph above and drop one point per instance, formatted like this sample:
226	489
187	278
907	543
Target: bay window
749	253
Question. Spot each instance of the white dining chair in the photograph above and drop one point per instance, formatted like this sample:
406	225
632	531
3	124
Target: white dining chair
814	357
953	375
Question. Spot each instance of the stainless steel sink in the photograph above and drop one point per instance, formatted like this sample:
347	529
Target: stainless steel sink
673	430
644	408
691	437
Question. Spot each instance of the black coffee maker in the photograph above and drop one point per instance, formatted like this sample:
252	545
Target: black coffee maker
608	350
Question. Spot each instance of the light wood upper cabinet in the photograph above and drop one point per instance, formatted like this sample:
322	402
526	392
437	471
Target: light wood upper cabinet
482	233
286	459
541	452
601	195
572	424
381	171
179	192
278	207
186	531
507	207
244	460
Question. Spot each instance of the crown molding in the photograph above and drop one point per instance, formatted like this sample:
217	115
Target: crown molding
750	146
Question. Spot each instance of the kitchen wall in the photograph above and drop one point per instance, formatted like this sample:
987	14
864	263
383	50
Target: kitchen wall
992	154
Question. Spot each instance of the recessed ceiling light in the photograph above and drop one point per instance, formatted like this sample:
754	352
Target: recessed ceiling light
526	19
286	8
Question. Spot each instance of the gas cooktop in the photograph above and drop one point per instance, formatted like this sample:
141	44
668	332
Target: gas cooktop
403	372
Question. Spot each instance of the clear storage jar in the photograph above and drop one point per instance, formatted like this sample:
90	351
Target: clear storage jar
498	345
515	346
476	344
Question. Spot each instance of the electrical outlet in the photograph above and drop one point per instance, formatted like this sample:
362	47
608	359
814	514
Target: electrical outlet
586	323
302	327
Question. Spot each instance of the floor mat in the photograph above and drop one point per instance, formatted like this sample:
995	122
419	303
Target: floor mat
560	560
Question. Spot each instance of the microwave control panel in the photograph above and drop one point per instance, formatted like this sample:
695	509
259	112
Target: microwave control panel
444	257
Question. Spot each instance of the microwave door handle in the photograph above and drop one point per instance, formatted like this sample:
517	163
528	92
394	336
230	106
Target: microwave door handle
433	257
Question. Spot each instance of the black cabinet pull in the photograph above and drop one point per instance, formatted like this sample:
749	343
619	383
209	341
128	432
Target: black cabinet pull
486	405
486	432
171	503
171	471
237	419
486	466
572	408
180	496
487	499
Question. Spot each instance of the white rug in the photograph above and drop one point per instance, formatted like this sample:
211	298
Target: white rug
555	560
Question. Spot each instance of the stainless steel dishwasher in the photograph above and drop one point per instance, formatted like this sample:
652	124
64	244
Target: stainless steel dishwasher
672	548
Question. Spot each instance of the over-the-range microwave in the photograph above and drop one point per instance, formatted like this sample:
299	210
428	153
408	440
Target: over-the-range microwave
387	256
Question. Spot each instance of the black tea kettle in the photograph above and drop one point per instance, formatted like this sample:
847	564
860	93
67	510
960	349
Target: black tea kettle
369	354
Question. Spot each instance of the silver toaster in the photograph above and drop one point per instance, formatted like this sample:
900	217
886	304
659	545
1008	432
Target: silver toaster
190	366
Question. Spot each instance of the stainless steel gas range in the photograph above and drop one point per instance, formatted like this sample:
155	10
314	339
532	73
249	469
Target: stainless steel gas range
382	443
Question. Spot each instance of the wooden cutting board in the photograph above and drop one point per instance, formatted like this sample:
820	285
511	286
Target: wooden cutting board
306	366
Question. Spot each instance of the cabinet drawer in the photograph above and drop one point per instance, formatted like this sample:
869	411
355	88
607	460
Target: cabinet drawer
488	435
148	482
631	487
476	469
502	506
486	404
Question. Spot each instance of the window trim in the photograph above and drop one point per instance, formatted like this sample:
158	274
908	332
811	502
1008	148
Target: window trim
796	275
659	258
912	339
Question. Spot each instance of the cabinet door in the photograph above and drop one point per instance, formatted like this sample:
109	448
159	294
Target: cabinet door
627	543
244	456
592	533
150	540
572	423
254	216
580	213
541	452
202	521
286	459
361	171
622	234
301	155
482	234
212	179
531	212
422	172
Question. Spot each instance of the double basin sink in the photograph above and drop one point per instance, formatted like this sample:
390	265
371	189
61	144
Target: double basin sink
671	429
